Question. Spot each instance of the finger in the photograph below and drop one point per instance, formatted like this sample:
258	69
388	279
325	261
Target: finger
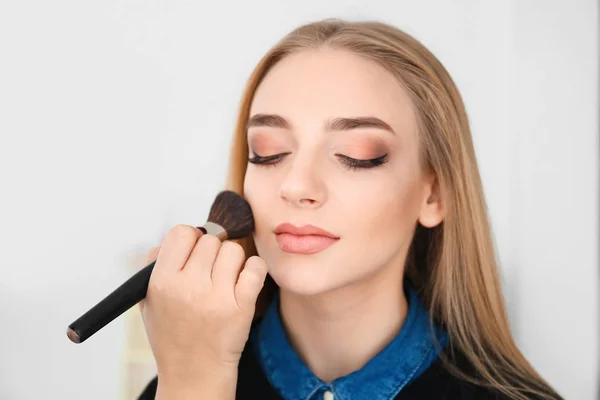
250	282
176	249
200	262
227	267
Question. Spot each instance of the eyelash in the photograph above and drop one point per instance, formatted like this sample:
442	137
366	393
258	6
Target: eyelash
351	163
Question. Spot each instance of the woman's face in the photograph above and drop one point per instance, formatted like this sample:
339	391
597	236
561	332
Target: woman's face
300	121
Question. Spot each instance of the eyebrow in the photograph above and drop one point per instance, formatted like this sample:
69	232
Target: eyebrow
335	124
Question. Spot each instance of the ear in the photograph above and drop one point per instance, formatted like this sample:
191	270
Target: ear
432	210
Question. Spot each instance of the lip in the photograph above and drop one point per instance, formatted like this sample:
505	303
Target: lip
287	227
307	239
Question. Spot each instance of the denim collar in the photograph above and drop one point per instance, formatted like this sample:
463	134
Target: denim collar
408	355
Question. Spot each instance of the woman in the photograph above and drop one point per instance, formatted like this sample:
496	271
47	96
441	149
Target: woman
353	148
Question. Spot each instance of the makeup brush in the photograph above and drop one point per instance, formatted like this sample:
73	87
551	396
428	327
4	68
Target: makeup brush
230	217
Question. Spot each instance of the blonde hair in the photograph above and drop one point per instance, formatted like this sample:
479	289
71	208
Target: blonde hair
453	265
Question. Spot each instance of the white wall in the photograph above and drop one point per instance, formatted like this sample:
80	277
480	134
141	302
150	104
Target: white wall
115	120
555	202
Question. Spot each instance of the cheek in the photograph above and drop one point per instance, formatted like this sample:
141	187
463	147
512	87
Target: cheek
381	208
260	194
259	188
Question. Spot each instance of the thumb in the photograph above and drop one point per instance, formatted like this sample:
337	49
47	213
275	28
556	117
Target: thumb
152	254
150	257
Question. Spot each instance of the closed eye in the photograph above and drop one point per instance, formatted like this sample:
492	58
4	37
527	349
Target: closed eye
349	162
353	163
268	160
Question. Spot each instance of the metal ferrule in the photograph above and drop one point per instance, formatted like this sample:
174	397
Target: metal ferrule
216	230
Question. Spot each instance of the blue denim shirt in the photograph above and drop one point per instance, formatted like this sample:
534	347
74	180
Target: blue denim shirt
408	355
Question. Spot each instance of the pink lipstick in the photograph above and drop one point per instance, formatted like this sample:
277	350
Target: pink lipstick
307	239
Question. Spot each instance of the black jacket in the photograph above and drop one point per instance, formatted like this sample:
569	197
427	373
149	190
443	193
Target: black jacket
436	383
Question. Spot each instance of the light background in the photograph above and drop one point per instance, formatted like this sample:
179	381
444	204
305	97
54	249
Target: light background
115	122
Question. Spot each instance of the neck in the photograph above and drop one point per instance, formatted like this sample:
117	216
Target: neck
338	332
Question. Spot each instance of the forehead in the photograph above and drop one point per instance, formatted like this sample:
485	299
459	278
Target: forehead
314	85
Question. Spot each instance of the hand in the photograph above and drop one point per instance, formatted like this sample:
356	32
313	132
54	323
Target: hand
200	304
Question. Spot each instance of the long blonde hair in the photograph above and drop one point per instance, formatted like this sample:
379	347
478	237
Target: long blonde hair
453	265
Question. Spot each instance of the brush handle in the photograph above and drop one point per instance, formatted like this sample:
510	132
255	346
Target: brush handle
120	300
124	297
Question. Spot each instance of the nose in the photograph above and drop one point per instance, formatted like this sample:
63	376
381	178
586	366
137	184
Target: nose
303	184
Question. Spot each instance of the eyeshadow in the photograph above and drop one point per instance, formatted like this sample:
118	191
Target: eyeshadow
354	145
365	149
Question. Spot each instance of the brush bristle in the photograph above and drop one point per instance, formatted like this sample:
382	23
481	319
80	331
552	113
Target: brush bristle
232	212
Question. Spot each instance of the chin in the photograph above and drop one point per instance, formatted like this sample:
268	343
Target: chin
302	287
302	274
301	279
